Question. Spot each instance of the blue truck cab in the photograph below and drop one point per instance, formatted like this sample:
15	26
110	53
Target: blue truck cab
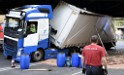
27	31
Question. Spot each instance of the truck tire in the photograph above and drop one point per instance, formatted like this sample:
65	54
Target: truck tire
9	57
37	55
109	45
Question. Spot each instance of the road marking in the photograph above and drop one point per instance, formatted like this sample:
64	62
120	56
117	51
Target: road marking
6	68
18	66
77	73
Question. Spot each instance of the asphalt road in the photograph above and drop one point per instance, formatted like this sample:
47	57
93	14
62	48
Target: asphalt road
55	71
5	68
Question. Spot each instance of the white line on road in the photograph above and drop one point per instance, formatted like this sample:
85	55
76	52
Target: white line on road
76	73
9	68
32	64
6	68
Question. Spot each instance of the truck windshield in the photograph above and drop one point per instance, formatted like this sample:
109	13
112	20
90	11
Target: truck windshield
13	23
14	27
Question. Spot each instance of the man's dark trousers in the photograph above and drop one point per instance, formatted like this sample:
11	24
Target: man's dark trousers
93	70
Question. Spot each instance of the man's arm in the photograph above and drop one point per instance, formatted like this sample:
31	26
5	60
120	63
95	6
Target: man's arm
104	57
104	62
83	57
83	61
83	65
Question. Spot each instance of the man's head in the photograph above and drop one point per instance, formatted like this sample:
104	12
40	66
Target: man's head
94	39
32	25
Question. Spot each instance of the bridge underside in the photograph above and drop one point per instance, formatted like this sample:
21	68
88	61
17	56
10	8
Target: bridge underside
109	7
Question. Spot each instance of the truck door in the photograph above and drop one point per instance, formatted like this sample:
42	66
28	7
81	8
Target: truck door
31	39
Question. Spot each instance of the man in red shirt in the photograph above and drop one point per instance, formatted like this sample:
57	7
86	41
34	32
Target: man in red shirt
94	58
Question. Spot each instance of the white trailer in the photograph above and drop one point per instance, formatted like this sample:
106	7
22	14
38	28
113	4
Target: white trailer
106	31
75	26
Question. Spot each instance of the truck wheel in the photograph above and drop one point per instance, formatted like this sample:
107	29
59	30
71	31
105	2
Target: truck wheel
109	45
37	55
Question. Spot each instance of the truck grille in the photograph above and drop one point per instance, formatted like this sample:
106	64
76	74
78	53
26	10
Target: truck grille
10	47
10	43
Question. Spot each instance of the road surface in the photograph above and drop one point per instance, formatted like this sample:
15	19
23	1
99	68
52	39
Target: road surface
5	68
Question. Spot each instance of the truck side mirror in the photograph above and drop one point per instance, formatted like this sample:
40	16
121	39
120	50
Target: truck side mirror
25	35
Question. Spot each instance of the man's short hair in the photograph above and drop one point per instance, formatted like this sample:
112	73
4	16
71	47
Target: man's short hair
94	38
